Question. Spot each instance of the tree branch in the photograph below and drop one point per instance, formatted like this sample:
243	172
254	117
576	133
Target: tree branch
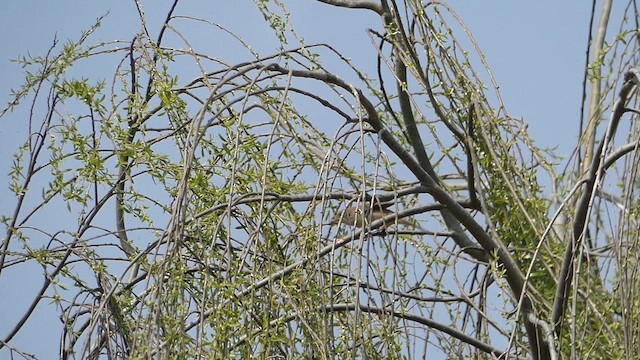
593	178
357	4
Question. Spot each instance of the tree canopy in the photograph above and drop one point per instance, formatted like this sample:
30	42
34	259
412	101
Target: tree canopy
198	203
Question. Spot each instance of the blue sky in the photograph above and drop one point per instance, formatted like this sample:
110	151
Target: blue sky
536	51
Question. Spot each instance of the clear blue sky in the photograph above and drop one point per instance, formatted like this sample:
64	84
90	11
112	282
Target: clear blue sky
535	49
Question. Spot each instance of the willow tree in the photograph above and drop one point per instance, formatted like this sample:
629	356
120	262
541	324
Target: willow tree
199	203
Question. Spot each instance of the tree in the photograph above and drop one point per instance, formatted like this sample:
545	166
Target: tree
203	205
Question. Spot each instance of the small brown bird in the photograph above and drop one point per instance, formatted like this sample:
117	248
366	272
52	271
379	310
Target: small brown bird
353	216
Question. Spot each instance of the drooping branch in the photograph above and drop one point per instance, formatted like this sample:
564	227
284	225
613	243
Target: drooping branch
455	333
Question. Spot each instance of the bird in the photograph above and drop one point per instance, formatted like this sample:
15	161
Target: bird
353	216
